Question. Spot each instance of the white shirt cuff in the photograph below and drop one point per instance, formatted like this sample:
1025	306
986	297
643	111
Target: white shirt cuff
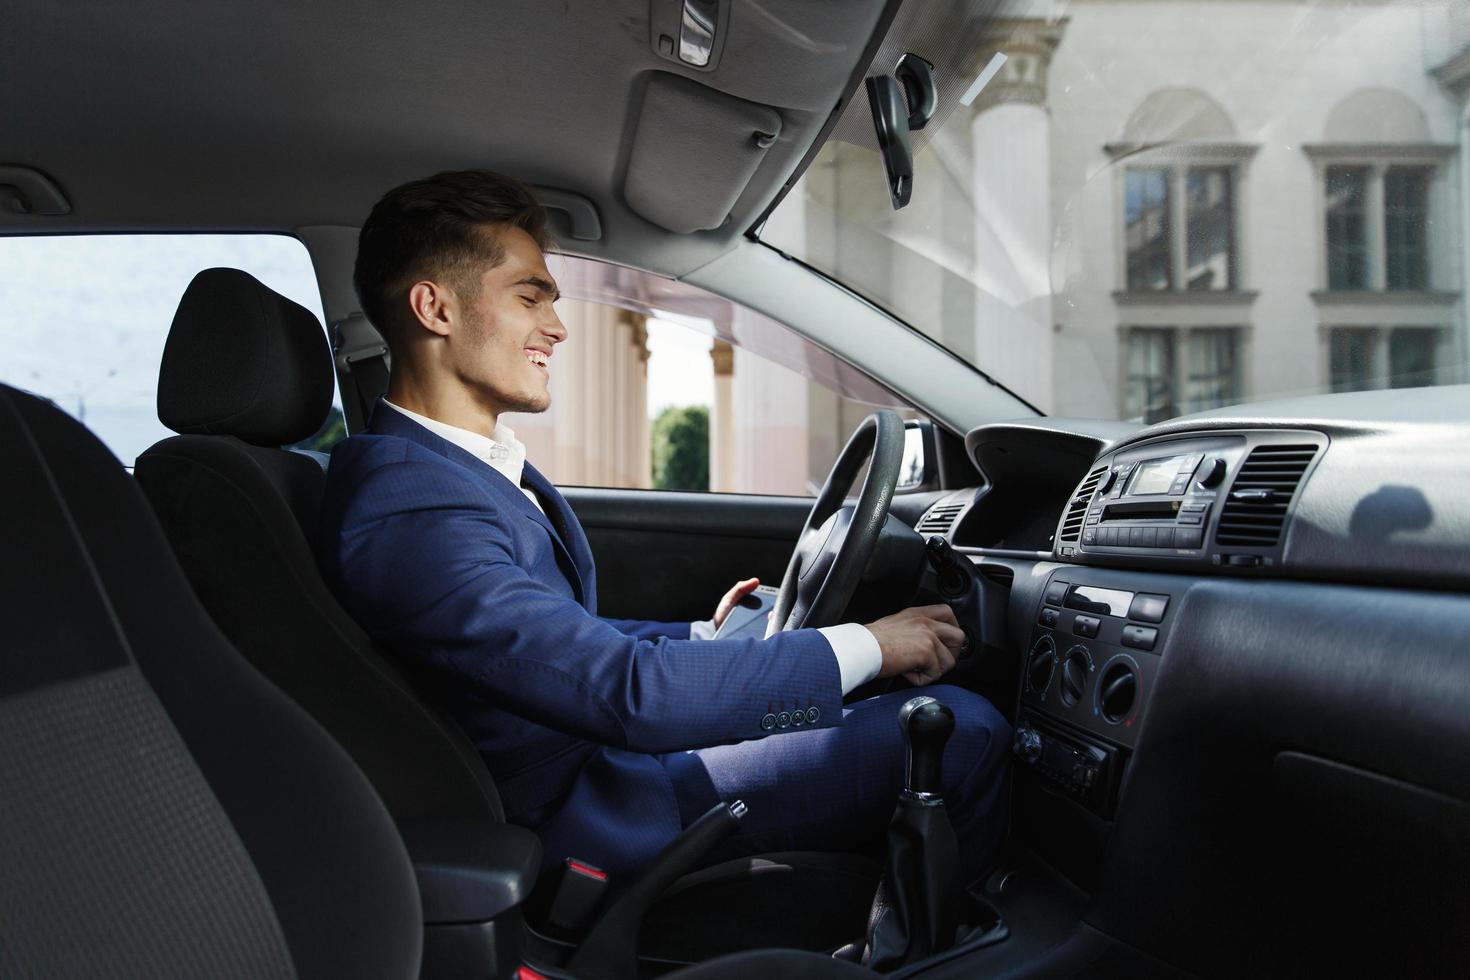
859	658
702	630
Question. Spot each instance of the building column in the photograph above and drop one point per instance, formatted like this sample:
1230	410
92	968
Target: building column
722	421
1010	135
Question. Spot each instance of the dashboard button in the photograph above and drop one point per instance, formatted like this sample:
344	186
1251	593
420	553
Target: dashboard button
1049	617
1244	561
1107	535
1190	518
1148	608
1164	537
1055	593
1188	537
1086	626
1140	637
1135	536
1089	536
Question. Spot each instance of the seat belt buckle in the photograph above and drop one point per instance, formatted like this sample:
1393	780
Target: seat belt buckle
578	896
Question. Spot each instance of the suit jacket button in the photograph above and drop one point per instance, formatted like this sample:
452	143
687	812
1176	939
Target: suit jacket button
783	719
798	717
768	723
812	714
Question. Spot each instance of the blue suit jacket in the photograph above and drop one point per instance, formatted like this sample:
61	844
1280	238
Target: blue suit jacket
448	564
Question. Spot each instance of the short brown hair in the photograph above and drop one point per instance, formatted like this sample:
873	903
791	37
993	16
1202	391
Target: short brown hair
434	228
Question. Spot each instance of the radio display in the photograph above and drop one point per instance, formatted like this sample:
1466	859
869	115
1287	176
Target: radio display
1156	475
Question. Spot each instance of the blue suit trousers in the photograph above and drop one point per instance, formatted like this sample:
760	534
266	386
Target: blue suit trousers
835	788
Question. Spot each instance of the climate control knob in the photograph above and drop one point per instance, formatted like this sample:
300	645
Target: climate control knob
1074	675
1117	692
1027	744
1041	666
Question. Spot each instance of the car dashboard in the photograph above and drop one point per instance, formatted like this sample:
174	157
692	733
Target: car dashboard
1236	648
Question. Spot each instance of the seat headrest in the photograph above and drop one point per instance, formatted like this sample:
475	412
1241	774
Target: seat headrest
243	360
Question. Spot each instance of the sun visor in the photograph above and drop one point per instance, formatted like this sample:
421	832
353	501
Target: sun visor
694	151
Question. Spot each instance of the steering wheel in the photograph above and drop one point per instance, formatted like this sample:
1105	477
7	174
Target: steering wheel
836	543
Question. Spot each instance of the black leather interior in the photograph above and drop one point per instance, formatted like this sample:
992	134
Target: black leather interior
169	812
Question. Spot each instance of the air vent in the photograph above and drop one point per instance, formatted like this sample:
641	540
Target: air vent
940	519
1077	507
1255	509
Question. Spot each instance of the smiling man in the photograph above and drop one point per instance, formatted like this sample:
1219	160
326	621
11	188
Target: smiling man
607	736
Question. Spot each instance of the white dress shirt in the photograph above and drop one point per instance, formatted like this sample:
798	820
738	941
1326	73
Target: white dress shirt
859	657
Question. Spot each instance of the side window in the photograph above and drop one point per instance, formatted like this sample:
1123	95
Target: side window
83	319
691	394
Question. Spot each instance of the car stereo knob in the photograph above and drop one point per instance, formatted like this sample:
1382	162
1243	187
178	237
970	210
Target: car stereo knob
1214	474
1027	745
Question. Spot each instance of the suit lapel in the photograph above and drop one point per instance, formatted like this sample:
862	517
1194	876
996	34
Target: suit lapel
570	542
568	528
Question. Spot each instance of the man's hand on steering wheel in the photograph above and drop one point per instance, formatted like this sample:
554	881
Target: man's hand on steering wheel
920	643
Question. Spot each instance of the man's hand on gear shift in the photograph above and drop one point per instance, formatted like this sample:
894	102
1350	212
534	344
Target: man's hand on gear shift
919	643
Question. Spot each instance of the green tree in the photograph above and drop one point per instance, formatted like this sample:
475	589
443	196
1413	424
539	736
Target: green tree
680	446
333	431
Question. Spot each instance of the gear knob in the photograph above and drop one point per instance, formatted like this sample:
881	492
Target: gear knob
927	725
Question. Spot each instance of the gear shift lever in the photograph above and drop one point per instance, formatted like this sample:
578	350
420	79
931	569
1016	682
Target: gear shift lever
927	725
917	910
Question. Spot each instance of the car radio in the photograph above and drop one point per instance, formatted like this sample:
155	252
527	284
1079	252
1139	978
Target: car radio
1162	502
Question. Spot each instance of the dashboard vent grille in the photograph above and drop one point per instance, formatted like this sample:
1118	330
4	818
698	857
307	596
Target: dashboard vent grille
940	519
1077	506
1255	509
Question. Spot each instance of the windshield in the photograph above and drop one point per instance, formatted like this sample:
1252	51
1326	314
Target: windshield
1136	209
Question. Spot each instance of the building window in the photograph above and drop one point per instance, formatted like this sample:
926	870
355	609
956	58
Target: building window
1210	229
1213	378
1377	226
1146	226
1360	358
1350	359
1148	392
1412	357
1405	227
1159	384
1347	230
1179	228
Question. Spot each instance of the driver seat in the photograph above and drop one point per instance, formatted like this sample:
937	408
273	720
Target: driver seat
246	371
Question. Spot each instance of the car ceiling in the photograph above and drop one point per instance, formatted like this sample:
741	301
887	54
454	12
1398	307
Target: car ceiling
279	115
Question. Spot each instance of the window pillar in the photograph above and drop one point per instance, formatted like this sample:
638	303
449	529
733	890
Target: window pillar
1374	228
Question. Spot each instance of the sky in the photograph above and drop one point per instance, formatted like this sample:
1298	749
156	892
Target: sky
84	319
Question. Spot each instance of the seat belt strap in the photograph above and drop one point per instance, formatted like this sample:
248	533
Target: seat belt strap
362	368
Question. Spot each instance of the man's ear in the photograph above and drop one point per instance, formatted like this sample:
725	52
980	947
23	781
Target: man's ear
433	306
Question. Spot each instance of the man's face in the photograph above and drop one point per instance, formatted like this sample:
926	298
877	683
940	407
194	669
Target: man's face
509	329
